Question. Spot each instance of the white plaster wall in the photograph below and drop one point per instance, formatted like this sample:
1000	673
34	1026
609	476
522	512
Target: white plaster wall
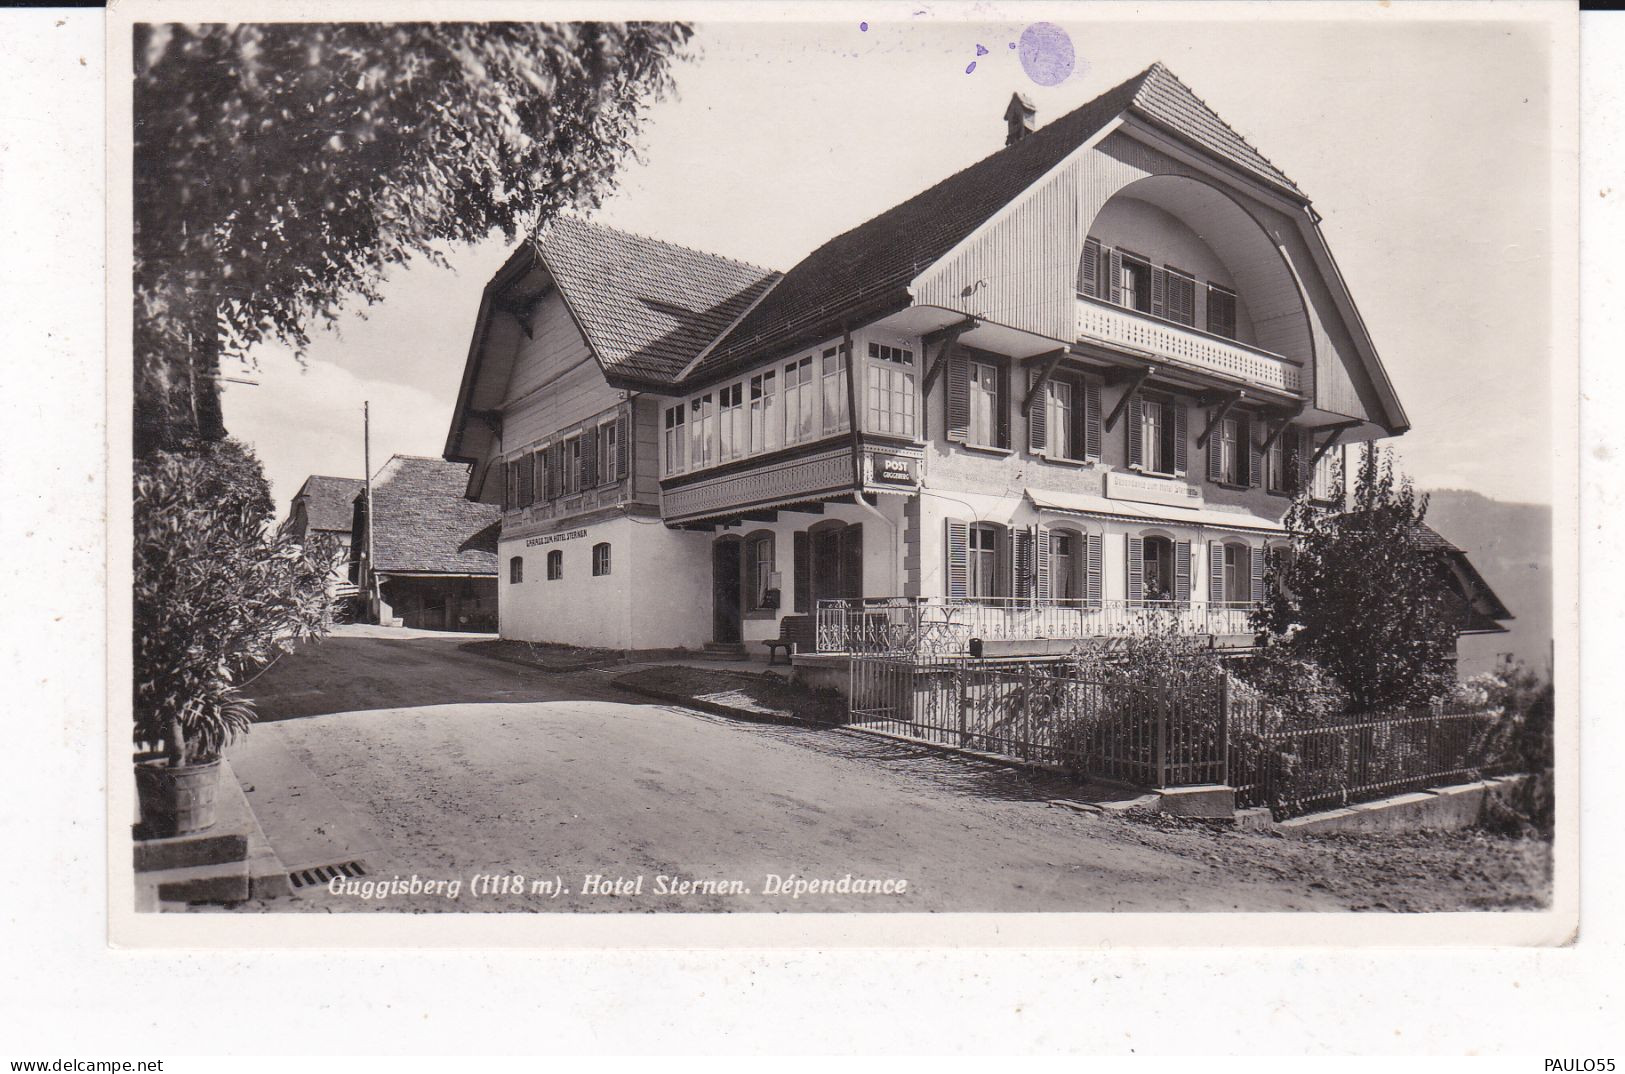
656	595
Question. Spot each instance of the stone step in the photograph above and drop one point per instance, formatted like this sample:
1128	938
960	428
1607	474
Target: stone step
200	848
226	882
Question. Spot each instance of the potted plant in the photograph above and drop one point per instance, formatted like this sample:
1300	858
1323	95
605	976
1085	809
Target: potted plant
218	596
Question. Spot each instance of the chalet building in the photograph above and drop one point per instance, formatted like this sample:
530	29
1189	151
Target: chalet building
1081	376
434	562
325	507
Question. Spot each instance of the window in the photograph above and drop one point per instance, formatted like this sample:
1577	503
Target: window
1275	478
1238	574
1059	418
1221	311
1157	436
572	465
1226	441
516	570
702	422
983	564
1135	284
985	405
731	423
676	440
1158	564
760	592
555	565
607	453
600	559
766	423
1323	485
1181	306
1064	566
837	414
891	390
799	402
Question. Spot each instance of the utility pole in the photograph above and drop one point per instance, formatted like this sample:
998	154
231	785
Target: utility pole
374	596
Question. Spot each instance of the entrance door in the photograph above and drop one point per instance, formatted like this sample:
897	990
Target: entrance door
837	563
726	612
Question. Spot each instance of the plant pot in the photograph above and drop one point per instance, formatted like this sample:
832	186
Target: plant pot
176	801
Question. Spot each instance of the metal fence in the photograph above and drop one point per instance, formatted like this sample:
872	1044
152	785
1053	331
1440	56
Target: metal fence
1297	770
1158	736
937	627
1042	712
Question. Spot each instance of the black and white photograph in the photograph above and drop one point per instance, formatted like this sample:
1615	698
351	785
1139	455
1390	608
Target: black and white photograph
893	465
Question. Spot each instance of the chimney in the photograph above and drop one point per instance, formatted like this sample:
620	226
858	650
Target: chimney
1019	117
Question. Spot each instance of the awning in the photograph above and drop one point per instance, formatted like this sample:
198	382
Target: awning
1079	503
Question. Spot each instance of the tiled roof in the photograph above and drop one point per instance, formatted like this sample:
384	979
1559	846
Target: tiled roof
329	501
423	523
647	307
1166	100
868	268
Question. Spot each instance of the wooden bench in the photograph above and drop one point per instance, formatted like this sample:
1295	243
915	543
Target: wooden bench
796	634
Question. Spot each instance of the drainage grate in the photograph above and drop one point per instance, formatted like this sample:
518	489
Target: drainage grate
321	874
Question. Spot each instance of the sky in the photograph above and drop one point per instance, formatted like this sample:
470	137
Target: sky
1424	146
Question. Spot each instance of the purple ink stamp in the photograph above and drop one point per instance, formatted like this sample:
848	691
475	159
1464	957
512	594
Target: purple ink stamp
864	27
1046	53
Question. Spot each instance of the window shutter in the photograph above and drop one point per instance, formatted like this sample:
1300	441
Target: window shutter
801	564
1215	572
957	396
527	481
958	549
1021	561
1042	586
1253	454
1215	456
1303	470
1179	436
1182	572
1159	292
511	495
555	470
1091	419
1135	423
1114	277
1002	405
538	474
1136	569
1004	568
1037	416
1094	574
589	457
1089	269
1258	575
622	450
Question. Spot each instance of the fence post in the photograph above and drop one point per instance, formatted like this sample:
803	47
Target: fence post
963	699
1162	739
1224	729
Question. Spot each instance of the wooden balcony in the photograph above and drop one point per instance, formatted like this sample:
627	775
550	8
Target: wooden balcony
1154	338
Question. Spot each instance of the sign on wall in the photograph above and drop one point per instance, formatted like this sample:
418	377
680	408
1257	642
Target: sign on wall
1122	485
554	538
894	468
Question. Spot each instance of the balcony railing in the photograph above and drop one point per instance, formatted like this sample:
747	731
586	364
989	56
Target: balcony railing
1111	324
940	627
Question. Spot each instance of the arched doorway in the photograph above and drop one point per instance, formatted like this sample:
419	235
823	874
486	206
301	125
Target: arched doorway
727	612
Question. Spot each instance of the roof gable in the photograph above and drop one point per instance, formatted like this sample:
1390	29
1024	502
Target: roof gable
329	501
646	307
423	523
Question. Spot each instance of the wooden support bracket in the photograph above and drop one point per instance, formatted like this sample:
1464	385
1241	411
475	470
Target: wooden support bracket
1331	441
1227	401
1051	360
1134	384
950	338
1280	427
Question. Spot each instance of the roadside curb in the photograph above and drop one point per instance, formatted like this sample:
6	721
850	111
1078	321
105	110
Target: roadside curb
768	716
582	665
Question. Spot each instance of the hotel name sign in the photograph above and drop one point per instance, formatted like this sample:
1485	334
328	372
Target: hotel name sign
554	538
1124	485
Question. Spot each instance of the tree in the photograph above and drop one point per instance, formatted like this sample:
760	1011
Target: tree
280	169
1360	594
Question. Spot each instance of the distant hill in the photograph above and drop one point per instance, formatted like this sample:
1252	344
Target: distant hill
1511	545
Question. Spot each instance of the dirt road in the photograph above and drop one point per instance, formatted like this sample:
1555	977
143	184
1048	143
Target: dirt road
461	766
